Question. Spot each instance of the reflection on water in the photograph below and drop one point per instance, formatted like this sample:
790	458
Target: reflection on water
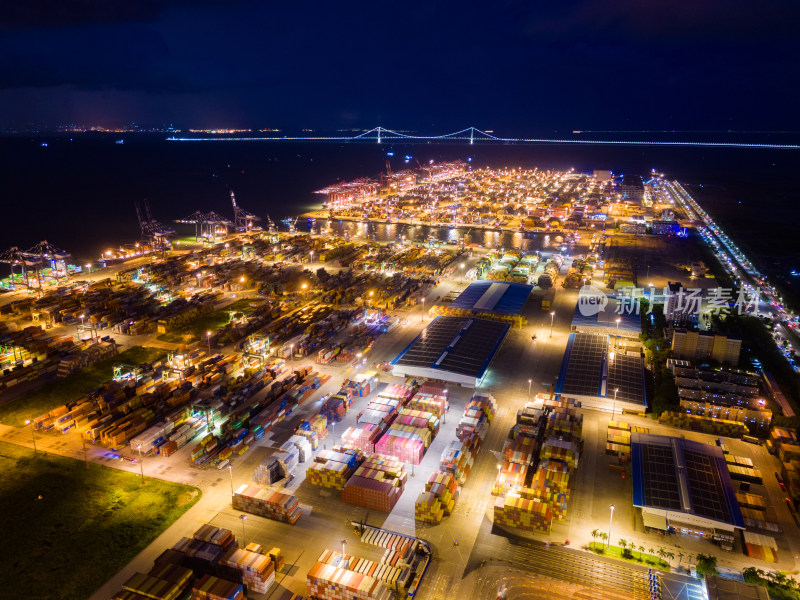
386	232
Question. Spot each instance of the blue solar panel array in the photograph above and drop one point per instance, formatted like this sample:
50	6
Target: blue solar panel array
656	478
510	303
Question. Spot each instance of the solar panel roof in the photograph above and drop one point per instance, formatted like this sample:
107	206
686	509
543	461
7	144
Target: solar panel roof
583	367
587	370
626	373
659	478
456	344
501	297
705	483
676	474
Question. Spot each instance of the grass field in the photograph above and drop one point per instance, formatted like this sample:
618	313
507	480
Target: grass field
61	391
67	529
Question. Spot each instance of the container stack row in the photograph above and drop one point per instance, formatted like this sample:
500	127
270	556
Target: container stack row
377	484
441	491
542	452
438	500
711	425
332	469
208	566
265	503
333	580
520	513
257	570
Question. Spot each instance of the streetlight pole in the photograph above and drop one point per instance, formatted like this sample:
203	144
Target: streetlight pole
208	341
610	522
33	435
230	471
291	353
423	310
614	409
462	273
344	543
141	462
552	318
529	388
618	320
243	518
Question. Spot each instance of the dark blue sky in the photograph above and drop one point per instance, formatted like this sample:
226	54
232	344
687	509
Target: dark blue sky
515	67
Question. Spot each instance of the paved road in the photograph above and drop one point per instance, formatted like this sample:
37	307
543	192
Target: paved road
572	566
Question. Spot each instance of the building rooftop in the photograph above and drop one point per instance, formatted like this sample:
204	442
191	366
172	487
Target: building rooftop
506	298
589	369
680	476
452	348
605	321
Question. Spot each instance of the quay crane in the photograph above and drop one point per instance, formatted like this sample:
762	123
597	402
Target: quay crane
206	225
36	259
290	222
199	220
154	233
243	220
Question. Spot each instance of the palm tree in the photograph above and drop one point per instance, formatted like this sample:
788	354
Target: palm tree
622	543
706	564
670	556
752	573
662	553
594	534
680	558
641	549
651	551
603	536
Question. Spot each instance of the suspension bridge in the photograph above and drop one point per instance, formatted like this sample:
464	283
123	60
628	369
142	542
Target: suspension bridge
473	135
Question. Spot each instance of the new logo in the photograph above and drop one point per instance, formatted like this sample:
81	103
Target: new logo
591	300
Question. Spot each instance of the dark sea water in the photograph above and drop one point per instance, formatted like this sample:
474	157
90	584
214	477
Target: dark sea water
79	192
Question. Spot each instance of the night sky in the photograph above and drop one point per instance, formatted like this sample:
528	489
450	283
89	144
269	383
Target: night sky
515	67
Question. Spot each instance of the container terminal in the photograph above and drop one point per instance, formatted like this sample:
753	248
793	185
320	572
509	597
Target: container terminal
400	417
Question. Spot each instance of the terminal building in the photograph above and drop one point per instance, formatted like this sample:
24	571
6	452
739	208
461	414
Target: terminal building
600	378
684	486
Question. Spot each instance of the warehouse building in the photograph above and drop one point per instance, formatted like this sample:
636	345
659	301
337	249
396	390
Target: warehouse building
605	321
683	485
492	299
600	378
452	349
